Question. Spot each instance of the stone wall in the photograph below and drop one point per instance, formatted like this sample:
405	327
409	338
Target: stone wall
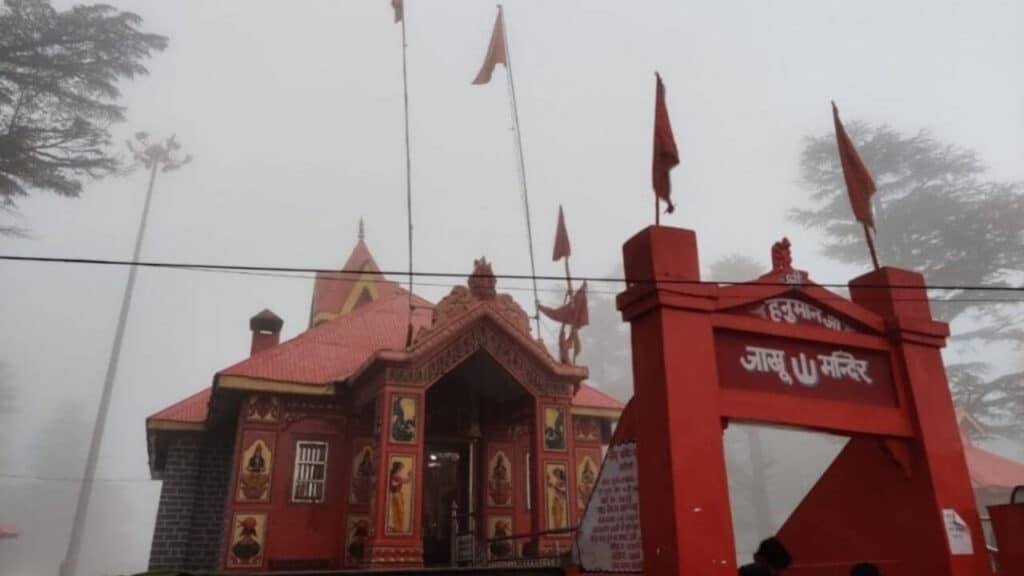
190	523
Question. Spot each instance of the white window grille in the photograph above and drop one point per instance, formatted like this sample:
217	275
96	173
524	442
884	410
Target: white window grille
310	471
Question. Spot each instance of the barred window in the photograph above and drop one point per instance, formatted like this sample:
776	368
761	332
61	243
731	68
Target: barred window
310	471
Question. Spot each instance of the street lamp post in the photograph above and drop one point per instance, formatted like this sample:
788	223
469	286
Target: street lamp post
156	157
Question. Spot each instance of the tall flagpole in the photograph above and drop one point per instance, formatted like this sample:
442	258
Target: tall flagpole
522	169
568	280
408	174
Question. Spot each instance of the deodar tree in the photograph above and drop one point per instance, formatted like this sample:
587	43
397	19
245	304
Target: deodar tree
936	212
59	74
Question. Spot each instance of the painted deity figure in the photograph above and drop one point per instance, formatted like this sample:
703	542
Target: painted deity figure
357	540
396	486
588	478
403	427
256	463
362	480
499	484
558	488
247	549
254	481
554	432
501	548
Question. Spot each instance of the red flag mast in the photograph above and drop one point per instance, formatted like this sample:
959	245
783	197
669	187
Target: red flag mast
399	8
562	250
859	184
498	53
666	155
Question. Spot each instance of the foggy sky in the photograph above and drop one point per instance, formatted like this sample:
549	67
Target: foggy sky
293	111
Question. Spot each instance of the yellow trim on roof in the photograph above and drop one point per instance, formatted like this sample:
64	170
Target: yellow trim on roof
366	282
323	317
260	385
599	412
172	425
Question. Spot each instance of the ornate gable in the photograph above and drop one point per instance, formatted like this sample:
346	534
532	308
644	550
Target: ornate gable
479	291
786	295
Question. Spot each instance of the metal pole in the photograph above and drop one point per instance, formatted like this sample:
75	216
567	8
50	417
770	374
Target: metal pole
522	169
568	280
454	530
70	564
408	175
871	245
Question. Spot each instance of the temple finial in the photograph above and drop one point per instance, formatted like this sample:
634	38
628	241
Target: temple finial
362	229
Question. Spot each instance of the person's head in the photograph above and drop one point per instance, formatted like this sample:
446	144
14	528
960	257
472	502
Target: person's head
865	569
772	555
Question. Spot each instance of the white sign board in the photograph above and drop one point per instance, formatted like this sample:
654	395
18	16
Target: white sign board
958	533
609	536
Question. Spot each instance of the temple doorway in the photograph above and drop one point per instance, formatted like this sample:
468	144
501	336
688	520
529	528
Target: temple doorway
445	482
470	410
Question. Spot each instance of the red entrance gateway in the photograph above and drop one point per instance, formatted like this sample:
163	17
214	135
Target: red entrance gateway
786	351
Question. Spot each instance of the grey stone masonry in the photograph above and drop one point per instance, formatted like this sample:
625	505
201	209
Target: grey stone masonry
189	532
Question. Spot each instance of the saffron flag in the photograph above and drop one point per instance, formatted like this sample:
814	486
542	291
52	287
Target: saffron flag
495	52
399	7
666	156
859	184
562	248
574	312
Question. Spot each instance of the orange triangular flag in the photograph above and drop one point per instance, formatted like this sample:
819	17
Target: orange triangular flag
562	247
495	52
859	184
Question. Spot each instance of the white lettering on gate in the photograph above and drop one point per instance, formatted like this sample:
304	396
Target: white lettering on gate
839	365
791	311
766	360
843	365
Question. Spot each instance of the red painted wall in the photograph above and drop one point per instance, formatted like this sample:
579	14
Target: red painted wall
296	534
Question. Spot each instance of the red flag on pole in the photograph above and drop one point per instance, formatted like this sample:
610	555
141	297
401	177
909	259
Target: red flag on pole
666	156
575	312
562	248
859	183
495	52
399	7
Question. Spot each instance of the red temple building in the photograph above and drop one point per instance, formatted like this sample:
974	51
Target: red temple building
348	445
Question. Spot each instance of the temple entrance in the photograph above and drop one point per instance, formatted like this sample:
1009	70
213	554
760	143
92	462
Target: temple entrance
446	481
472	409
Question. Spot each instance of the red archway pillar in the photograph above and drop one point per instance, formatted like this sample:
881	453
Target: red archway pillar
900	298
685	516
397	538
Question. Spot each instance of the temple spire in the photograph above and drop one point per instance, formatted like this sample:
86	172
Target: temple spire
362	229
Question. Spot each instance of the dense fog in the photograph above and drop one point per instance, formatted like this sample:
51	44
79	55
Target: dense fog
293	115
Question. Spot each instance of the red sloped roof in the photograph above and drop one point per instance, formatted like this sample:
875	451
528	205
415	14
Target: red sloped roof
589	397
331	351
989	470
191	410
332	290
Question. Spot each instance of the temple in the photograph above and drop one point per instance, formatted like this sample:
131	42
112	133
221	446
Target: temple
352	444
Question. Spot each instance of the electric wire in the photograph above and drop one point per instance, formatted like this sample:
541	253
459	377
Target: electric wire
348	275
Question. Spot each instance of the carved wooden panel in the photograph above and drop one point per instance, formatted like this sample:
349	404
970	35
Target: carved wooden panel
506	351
